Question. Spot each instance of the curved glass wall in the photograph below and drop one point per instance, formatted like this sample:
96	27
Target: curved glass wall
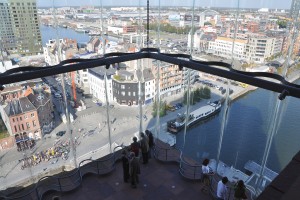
85	114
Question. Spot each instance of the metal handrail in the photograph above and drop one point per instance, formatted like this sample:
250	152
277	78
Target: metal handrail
285	88
158	148
77	172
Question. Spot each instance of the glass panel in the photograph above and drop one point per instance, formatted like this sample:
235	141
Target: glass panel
87	113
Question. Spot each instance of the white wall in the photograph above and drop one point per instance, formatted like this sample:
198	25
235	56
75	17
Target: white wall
97	88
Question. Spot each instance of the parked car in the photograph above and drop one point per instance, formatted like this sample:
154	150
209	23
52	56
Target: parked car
57	95
60	133
180	105
99	104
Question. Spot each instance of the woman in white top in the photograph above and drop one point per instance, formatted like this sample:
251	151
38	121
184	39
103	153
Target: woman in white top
206	172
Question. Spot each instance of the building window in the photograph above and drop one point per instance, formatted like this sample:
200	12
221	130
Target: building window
34	123
122	86
25	117
27	125
32	114
20	118
129	93
16	129
123	93
23	127
13	119
133	94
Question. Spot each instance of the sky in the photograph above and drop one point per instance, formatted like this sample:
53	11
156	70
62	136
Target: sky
273	4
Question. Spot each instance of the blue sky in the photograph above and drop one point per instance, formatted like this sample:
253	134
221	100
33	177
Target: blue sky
279	4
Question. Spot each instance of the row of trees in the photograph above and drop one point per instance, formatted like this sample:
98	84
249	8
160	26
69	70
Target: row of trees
197	95
169	28
162	108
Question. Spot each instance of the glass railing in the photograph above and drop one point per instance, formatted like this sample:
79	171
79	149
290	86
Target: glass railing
52	124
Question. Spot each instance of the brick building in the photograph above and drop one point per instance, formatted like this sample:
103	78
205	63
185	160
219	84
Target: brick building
27	113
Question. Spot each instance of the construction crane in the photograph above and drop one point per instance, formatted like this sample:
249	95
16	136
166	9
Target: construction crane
74	88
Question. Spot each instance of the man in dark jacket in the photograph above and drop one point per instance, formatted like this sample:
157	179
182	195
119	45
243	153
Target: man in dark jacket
151	142
135	146
144	148
134	169
125	162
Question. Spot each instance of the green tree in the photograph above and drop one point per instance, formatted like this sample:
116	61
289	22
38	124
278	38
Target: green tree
282	23
205	93
207	23
197	95
162	108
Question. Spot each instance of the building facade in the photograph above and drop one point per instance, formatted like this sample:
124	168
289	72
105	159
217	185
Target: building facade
27	110
7	36
127	89
171	78
22	32
222	47
96	79
257	48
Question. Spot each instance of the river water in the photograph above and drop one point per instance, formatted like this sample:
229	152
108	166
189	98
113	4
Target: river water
249	121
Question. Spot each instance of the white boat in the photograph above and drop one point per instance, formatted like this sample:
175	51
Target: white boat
80	30
174	126
94	33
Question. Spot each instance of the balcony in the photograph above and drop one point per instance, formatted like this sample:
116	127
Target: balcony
248	131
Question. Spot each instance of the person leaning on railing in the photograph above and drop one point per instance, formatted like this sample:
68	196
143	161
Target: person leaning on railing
222	189
240	190
207	173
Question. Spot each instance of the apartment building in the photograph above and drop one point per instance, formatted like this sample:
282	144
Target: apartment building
126	87
20	27
260	47
43	104
19	116
171	78
257	48
222	47
27	110
68	48
96	79
7	36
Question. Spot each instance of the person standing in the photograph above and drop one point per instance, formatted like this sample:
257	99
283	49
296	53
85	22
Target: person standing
134	169
222	189
135	146
207	173
240	190
151	142
125	162
144	148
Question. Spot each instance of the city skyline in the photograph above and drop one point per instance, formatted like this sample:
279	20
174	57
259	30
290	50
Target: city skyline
276	4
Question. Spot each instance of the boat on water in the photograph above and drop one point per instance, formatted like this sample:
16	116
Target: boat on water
176	125
94	33
80	30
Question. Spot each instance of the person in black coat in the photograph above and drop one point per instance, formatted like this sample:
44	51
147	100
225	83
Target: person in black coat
151	142
125	161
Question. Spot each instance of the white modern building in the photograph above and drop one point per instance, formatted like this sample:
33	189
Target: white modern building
96	78
222	47
7	65
260	47
257	48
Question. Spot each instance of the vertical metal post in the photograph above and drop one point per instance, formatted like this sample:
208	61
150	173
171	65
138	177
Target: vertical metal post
59	184
107	110
148	23
157	100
